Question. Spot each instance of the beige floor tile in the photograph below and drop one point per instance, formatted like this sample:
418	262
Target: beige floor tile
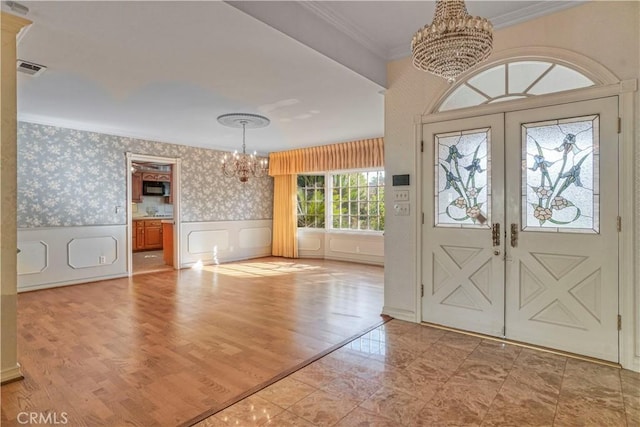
322	408
415	382
350	386
395	405
286	392
454	410
315	375
212	422
395	356
252	411
361	417
582	411
459	341
631	395
288	419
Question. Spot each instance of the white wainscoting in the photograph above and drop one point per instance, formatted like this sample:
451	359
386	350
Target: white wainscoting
60	256
223	241
342	246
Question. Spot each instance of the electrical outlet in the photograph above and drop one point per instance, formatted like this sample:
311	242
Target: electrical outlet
401	209
401	195
102	259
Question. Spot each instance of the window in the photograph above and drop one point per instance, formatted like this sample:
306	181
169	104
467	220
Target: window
311	201
515	80
356	201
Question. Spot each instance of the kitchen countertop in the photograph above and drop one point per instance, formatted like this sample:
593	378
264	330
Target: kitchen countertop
138	218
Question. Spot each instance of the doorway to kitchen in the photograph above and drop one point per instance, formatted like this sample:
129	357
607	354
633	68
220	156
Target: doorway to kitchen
153	213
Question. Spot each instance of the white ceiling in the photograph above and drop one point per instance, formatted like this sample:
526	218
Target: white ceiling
165	70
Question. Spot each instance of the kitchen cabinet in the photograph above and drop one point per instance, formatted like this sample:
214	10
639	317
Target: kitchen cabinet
147	234
156	176
167	242
136	187
152	234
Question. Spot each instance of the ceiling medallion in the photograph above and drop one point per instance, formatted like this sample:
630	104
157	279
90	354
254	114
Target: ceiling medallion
243	165
453	43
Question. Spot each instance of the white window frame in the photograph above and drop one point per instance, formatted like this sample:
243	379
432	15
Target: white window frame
328	202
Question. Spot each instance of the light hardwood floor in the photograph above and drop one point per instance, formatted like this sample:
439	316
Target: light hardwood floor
164	348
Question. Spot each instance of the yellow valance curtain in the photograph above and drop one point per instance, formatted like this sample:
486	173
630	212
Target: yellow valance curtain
286	165
366	153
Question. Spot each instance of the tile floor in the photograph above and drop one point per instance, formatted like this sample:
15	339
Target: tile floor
404	374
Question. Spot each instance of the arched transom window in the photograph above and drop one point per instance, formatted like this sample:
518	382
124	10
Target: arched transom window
514	80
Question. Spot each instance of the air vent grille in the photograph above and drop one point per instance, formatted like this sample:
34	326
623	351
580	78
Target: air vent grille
30	68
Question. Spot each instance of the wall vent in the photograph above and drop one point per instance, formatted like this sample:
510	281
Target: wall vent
30	68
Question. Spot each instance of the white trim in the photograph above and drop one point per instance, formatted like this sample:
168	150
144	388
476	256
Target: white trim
400	314
175	184
11	374
528	13
82	281
420	172
344	25
108	130
629	293
528	103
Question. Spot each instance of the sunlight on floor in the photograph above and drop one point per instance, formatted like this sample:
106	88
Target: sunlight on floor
257	269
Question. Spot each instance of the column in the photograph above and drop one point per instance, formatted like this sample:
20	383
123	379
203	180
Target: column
9	367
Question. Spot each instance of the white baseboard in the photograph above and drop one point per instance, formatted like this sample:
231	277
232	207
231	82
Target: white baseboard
72	282
400	314
11	374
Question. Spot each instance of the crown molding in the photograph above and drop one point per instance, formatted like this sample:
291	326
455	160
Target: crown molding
349	28
502	21
531	12
105	130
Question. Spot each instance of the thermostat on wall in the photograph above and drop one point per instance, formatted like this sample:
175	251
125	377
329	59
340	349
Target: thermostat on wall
400	180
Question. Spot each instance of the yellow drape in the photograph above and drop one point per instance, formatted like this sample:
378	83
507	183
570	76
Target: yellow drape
284	167
285	224
367	153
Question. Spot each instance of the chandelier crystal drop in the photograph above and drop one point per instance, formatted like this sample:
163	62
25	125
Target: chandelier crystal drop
453	43
243	165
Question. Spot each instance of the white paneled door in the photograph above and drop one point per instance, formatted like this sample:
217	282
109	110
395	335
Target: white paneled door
520	237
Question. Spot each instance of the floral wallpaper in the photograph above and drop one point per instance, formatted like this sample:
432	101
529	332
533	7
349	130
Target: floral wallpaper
69	177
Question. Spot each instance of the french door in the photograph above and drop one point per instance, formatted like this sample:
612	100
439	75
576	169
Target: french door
520	236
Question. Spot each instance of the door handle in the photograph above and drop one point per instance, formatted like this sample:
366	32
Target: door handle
514	235
495	234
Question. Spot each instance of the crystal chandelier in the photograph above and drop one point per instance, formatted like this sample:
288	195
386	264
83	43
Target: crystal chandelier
453	43
243	165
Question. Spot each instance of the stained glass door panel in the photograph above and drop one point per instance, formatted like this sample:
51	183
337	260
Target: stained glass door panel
462	178
561	179
562	199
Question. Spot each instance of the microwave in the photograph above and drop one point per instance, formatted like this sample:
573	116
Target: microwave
153	188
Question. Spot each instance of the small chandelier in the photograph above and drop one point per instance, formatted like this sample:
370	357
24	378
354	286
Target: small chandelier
453	43
243	165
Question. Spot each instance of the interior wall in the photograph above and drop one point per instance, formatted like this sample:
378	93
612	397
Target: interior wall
607	32
341	245
72	206
68	177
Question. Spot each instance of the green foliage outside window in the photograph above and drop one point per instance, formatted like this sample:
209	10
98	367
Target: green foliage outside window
311	201
357	201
